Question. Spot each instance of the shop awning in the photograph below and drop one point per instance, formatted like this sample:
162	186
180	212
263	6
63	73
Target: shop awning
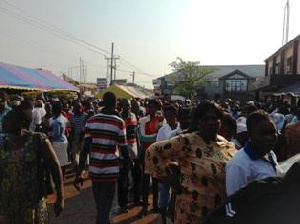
123	92
17	77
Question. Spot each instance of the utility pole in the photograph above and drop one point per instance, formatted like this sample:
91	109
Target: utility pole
112	65
82	71
107	74
133	73
115	69
111	62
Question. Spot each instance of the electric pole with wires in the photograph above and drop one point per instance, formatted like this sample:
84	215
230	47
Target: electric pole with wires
113	64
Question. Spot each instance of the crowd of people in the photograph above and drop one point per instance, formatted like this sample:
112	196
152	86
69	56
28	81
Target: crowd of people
193	155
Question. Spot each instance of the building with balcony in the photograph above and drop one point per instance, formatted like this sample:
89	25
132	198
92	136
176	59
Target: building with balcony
282	70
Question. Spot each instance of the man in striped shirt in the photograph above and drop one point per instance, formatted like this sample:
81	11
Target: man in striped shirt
123	183
77	126
105	138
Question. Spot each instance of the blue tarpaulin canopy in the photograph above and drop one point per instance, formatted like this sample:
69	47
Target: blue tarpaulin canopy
16	77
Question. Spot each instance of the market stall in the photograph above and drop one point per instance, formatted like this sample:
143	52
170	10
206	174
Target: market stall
124	92
21	78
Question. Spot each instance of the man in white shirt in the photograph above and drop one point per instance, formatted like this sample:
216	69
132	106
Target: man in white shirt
184	119
38	113
170	114
255	160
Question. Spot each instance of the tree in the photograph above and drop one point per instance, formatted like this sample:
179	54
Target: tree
189	76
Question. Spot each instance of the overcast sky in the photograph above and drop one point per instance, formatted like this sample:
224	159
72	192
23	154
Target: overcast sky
149	34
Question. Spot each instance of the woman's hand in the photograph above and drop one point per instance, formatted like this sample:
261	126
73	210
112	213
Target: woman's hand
59	206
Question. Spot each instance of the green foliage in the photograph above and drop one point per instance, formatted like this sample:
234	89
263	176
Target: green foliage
189	76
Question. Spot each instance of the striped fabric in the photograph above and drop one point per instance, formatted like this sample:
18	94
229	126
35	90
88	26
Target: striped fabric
107	133
131	132
78	123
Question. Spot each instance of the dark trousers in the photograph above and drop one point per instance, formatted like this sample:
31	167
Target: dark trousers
146	184
104	195
123	183
136	178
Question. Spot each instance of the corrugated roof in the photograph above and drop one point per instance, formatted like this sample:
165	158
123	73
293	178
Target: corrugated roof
254	71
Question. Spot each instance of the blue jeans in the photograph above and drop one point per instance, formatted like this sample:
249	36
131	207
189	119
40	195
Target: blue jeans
164	195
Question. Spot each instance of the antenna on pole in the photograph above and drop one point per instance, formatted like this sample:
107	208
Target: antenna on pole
286	23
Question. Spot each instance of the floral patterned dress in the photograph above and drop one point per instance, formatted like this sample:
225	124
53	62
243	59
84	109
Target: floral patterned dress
21	189
202	172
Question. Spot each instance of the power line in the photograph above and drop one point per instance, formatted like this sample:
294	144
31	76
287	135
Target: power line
136	68
46	49
44	25
43	22
140	73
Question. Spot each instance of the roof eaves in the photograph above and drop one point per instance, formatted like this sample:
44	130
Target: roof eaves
283	47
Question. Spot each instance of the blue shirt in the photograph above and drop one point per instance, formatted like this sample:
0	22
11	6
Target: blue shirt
246	166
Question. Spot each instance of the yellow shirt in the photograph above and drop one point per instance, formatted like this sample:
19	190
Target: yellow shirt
202	172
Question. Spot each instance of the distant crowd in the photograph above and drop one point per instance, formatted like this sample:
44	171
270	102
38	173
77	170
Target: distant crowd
199	158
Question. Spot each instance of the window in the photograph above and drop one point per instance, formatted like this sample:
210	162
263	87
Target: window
271	71
236	85
289	65
277	68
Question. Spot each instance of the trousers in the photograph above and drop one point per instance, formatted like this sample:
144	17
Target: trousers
104	195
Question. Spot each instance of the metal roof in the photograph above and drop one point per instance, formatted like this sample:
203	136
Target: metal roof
253	71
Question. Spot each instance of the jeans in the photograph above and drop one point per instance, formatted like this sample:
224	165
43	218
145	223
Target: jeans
164	195
104	195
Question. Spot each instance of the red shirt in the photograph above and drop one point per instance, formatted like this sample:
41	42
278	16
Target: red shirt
151	128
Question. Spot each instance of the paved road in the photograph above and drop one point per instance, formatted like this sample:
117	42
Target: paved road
80	208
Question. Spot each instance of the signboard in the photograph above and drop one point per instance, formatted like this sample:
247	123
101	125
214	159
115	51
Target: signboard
156	82
101	83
